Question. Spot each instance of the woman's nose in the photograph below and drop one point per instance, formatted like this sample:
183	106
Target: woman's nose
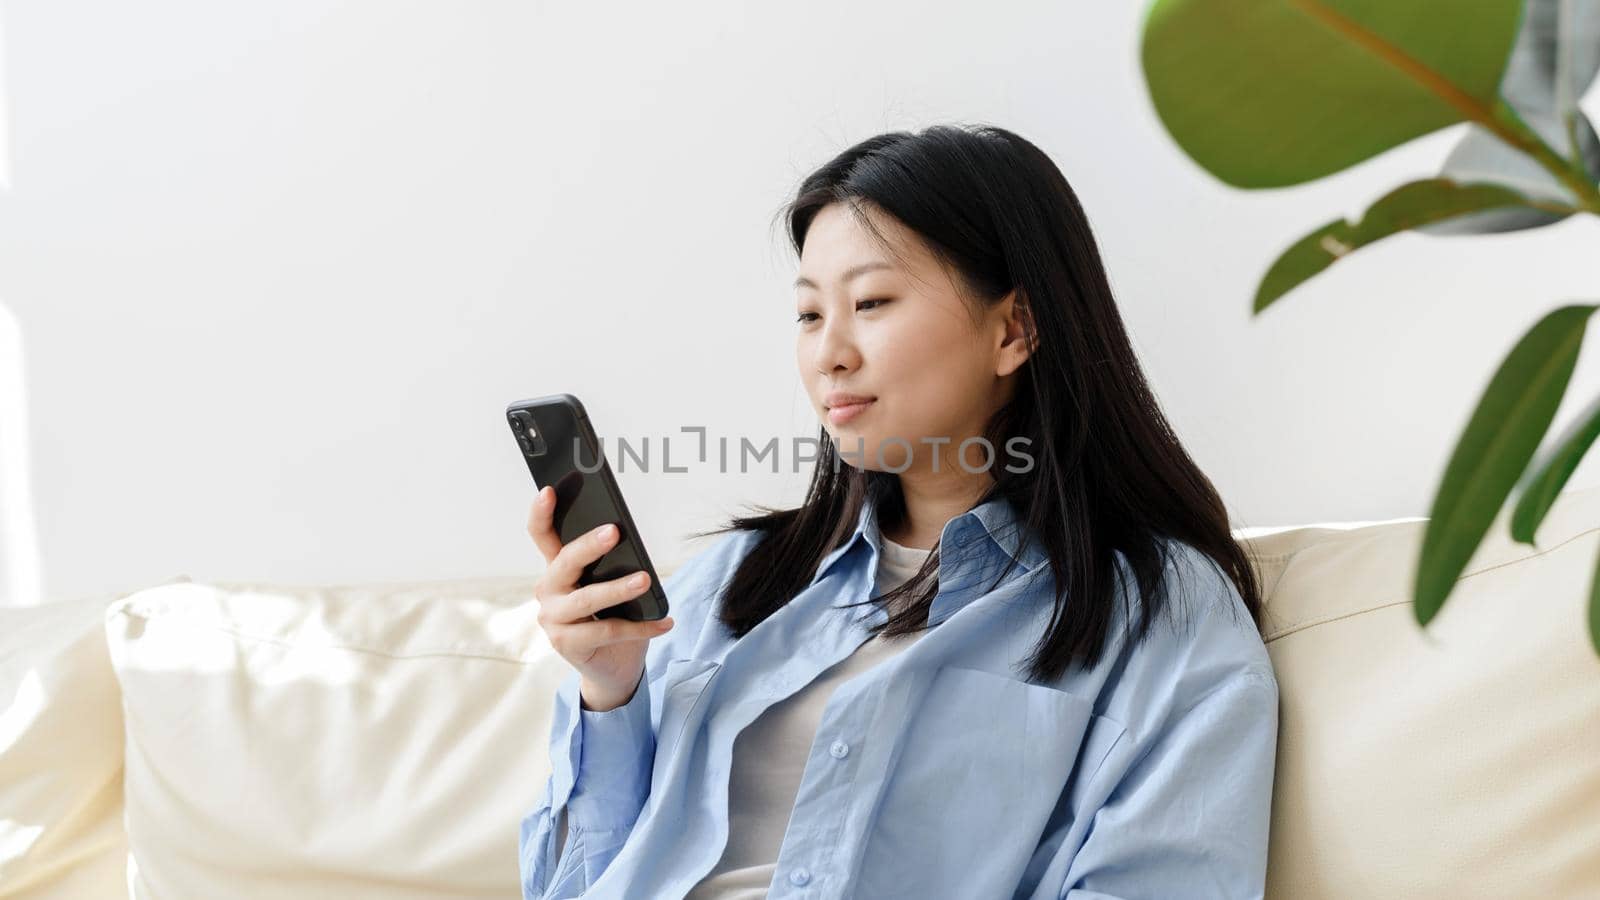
835	351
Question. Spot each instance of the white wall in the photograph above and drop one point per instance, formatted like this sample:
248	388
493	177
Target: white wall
277	268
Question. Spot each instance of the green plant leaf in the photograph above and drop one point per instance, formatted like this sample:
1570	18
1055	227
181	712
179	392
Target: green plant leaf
1555	59
1502	435
1405	207
1268	93
1594	608
1548	475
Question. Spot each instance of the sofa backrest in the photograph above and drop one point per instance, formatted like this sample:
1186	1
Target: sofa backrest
1459	760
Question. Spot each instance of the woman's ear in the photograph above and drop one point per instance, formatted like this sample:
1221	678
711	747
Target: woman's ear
1021	337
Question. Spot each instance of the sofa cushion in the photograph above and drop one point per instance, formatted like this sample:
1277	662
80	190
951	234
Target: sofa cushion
61	832
367	741
1460	760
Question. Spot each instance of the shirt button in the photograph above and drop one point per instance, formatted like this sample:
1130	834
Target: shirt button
839	749
799	876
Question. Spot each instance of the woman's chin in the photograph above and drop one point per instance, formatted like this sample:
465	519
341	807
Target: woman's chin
863	449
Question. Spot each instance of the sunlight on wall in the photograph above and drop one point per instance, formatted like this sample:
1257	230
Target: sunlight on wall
19	538
5	133
19	545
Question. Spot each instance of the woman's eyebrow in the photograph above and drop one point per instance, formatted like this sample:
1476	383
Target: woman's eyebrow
849	273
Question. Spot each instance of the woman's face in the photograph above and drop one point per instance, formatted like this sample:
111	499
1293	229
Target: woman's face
893	328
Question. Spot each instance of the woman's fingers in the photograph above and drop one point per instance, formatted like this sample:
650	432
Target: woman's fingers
563	602
569	564
579	639
564	563
577	609
584	602
541	527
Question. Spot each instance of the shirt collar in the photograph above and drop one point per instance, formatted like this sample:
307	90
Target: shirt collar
994	518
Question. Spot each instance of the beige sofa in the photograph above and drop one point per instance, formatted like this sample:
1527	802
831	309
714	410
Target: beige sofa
383	741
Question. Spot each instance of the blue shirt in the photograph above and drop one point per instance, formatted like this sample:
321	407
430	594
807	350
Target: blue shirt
943	771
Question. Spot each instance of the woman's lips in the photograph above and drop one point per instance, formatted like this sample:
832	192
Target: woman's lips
839	415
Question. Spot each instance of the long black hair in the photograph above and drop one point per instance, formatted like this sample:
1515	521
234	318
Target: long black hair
1109	475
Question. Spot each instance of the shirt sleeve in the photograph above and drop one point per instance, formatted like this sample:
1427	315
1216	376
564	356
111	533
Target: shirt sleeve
1189	817
599	781
601	762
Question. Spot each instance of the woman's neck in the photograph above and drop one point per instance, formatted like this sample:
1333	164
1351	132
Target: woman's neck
929	506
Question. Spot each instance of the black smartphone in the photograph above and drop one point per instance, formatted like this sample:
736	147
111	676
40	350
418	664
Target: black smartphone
561	450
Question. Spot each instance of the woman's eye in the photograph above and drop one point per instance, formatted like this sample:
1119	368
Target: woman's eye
812	317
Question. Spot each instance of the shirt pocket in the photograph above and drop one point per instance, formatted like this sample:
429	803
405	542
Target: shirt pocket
680	689
982	764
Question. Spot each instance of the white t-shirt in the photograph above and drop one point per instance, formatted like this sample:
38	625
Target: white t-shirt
769	755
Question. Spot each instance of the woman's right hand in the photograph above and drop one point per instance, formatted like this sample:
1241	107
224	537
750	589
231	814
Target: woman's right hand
608	653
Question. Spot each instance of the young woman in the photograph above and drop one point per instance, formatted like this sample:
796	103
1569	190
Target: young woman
1007	646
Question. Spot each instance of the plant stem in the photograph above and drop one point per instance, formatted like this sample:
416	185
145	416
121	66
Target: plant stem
1516	132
